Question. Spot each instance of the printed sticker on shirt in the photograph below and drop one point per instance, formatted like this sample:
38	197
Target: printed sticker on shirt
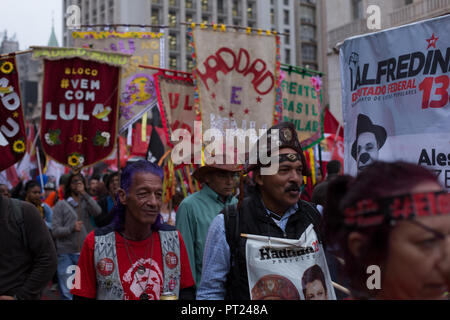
171	260
105	266
172	283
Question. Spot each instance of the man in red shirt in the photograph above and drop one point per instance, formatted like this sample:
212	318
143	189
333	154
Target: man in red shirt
137	256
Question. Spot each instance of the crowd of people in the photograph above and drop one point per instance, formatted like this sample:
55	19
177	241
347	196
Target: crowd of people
109	237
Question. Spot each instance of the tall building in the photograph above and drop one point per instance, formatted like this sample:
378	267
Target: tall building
346	18
302	20
7	44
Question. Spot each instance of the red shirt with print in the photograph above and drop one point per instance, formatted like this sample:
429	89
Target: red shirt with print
133	282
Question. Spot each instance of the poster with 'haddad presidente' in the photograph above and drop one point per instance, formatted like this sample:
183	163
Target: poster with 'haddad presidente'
395	97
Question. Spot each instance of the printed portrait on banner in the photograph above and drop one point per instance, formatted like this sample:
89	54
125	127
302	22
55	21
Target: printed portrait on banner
12	127
137	86
283	269
396	101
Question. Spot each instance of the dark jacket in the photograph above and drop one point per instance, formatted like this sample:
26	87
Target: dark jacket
253	219
24	271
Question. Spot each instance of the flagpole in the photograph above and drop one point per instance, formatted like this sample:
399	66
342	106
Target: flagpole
118	153
38	156
335	139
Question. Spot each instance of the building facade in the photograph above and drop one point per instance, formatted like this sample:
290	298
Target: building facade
346	18
302	20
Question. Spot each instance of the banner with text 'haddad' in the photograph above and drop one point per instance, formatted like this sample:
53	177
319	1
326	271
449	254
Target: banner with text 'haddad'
12	127
236	76
395	97
80	108
284	269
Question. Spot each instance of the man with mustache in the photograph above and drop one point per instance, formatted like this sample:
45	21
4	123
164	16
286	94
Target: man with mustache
273	209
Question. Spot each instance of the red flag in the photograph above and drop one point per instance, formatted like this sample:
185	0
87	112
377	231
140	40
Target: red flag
331	125
12	127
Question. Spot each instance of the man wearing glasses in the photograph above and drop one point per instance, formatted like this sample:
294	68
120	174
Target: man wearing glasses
196	212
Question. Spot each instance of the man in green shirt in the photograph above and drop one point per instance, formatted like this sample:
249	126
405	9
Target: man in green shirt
196	212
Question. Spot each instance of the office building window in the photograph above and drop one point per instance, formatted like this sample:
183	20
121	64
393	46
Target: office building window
287	57
206	5
189	4
189	64
308	14
287	37
173	42
357	9
221	6
206	18
251	10
173	62
172	19
156	18
307	33
286	16
309	52
189	17
236	9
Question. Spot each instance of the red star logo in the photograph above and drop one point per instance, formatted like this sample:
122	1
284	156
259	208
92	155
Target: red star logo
213	96
258	99
221	108
246	111
231	114
432	42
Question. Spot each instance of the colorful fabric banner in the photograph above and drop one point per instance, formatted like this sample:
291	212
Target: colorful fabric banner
236	78
302	104
176	94
395	97
80	111
137	88
284	269
12	126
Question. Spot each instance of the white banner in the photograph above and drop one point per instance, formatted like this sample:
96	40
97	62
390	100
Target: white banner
395	97
283	269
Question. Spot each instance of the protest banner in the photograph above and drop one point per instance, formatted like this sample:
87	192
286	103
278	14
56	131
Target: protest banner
12	126
80	104
285	269
137	91
395	97
175	91
302	104
236	77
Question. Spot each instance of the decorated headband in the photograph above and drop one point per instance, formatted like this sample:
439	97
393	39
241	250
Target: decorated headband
372	212
291	157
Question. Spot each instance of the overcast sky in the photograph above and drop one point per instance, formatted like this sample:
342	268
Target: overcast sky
31	20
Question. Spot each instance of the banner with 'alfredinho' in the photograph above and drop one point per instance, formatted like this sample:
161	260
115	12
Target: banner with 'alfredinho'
395	97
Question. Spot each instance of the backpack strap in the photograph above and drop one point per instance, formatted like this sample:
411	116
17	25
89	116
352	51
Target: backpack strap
231	223
17	209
